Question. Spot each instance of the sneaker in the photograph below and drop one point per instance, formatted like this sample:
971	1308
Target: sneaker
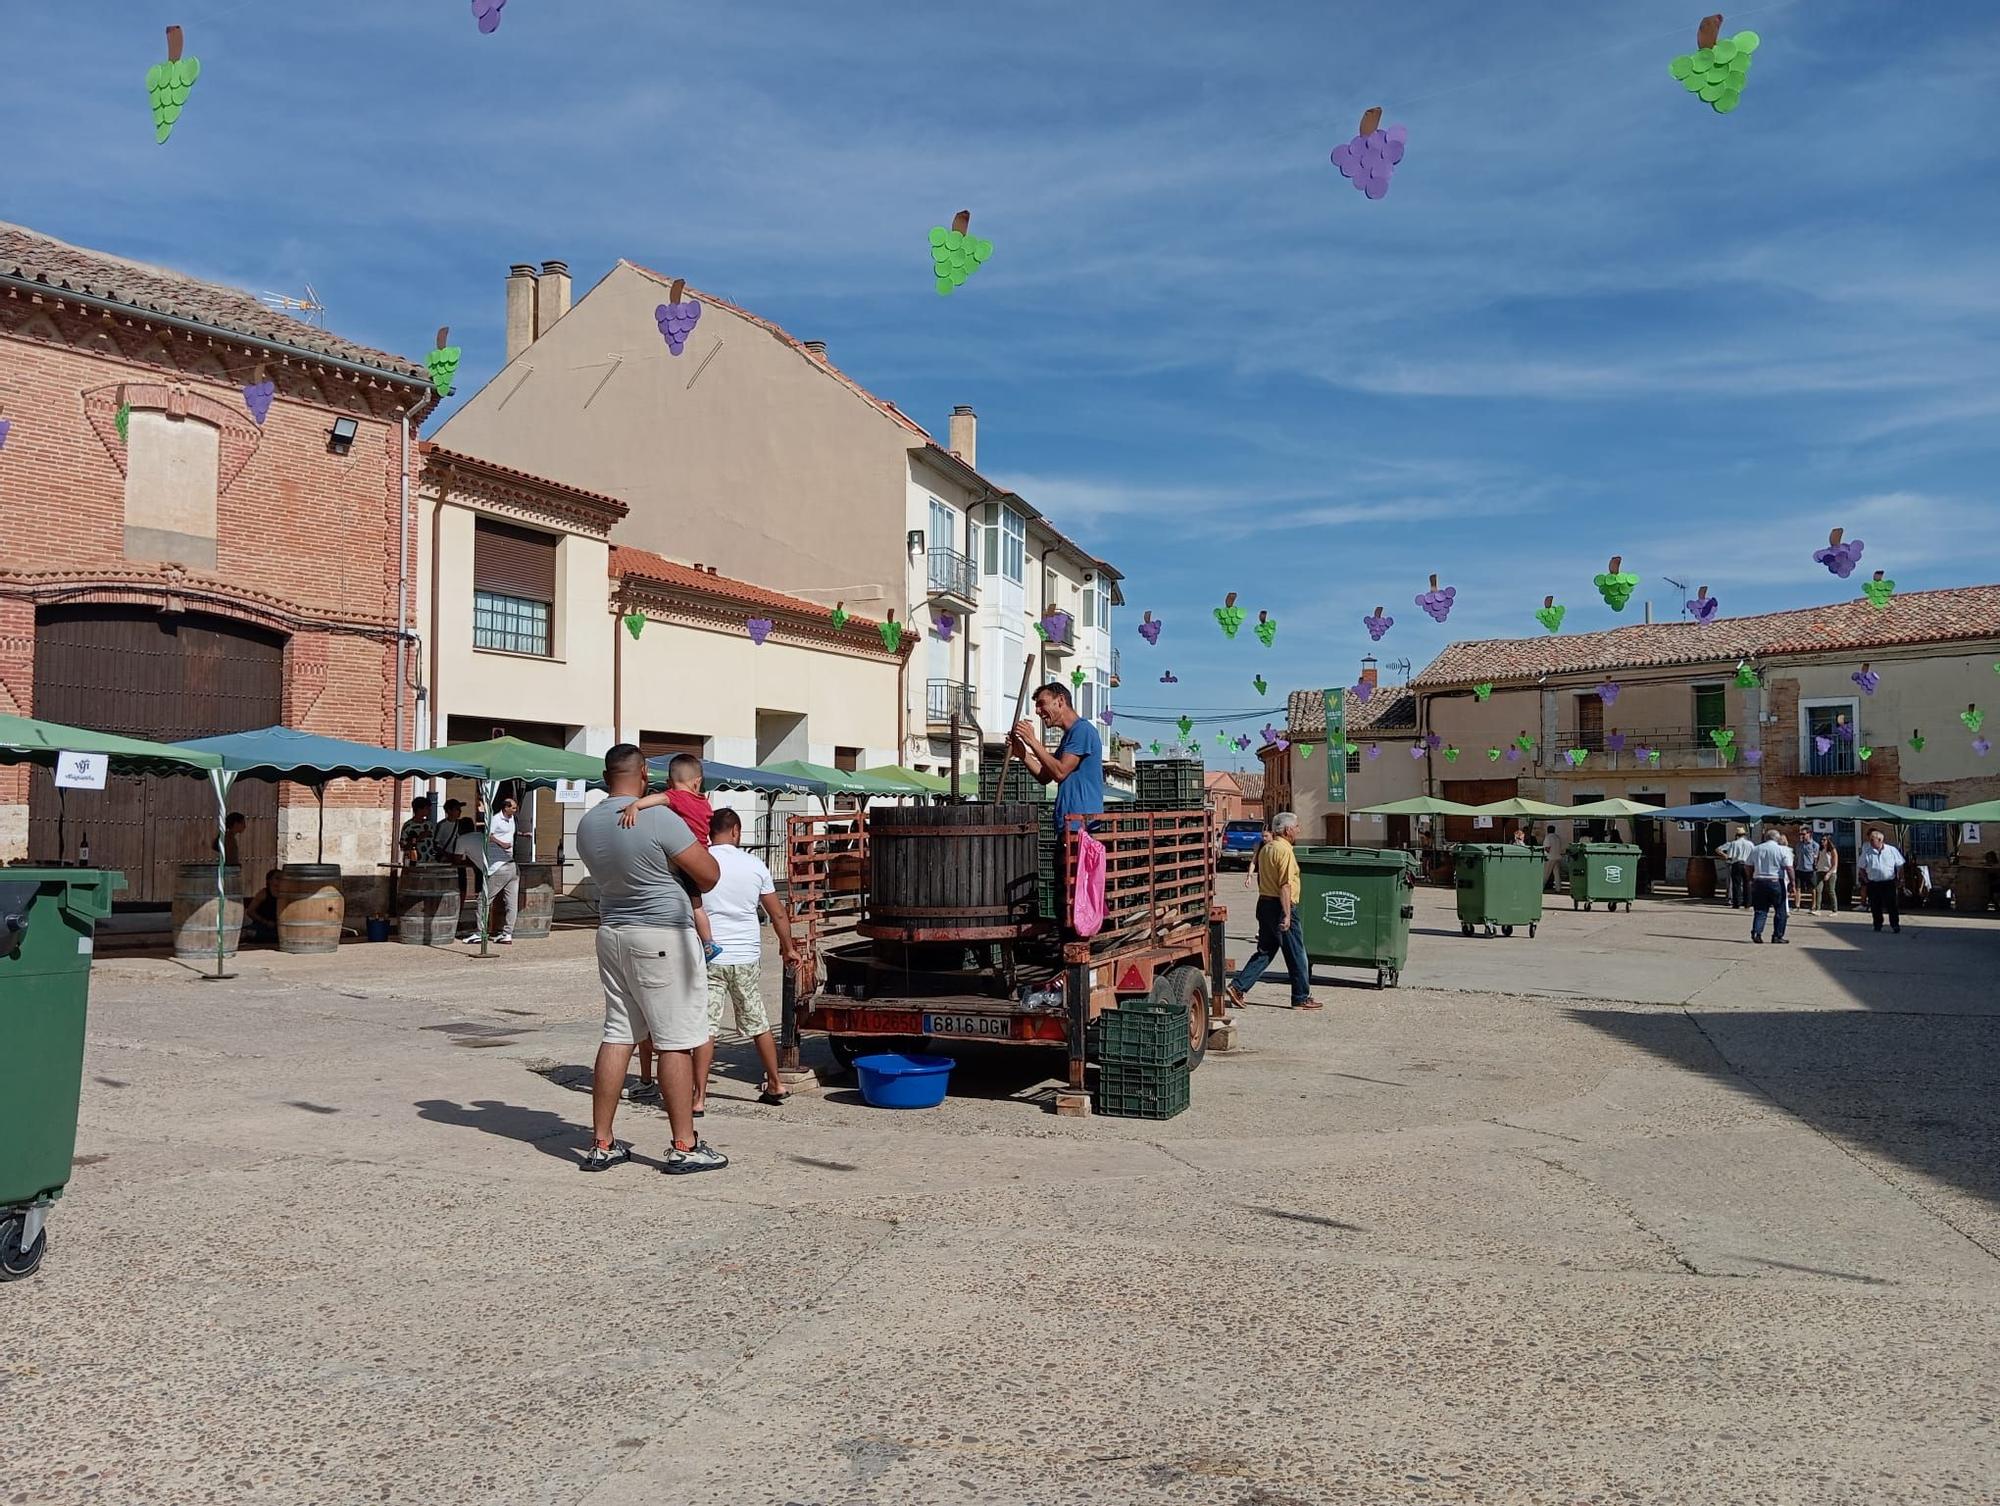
1781	941
701	1158
645	1092
505	938
1757	940
710	951
604	1157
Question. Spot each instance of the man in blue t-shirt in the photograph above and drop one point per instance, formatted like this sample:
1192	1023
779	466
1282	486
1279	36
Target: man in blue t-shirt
1076	768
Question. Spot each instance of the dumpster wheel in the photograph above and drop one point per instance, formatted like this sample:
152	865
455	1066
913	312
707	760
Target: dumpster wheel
1468	928
15	1262
1506	930
1531	930
1387	977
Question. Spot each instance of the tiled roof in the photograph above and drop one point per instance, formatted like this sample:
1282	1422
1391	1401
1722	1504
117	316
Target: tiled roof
430	448
1216	778
1964	612
644	565
1393	708
145	289
1253	786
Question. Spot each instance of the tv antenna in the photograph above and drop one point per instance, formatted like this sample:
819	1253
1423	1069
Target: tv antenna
1401	667
308	308
1680	586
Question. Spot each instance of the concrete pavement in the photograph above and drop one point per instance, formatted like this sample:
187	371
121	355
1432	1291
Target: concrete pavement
1629	1212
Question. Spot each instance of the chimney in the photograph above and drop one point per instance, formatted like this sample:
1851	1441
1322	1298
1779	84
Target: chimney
553	300
816	349
965	435
1368	670
520	309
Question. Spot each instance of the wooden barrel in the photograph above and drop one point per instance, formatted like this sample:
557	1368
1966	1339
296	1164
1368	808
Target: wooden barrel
953	872
536	911
1971	888
194	910
1701	877
427	904
310	908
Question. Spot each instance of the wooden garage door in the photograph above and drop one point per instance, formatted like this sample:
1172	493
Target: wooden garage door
1476	792
144	673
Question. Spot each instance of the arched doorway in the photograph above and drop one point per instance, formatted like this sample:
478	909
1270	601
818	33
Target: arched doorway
165	676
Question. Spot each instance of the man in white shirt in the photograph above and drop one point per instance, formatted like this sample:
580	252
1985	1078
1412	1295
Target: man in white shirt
503	877
1552	860
735	976
1771	863
1736	852
1881	865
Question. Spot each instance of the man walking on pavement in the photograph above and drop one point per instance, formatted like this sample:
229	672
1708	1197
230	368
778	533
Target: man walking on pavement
1278	917
1770	886
648	959
1552	860
735	977
1736	852
1882	865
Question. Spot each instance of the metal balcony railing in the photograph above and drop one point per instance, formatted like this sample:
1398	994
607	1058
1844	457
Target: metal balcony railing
943	697
1058	630
952	574
1839	758
1661	739
1114	666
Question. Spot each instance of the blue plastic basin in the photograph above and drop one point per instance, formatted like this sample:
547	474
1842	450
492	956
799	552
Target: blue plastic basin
895	1081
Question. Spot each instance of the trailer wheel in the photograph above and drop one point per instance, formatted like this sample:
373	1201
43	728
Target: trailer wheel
1187	985
845	1049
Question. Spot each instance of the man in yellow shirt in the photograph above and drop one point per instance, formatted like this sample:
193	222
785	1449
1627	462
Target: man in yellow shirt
1278	917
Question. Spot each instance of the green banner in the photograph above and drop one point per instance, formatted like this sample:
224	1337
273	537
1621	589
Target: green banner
1336	746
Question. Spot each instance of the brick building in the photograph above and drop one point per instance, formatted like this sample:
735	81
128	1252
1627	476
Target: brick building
176	568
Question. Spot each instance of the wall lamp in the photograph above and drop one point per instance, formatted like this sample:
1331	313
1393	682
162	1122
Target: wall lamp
914	541
340	438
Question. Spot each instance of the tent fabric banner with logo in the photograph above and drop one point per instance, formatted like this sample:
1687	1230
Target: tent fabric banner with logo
1336	744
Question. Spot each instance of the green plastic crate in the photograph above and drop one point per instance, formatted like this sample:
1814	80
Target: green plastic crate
1169	784
1141	1035
1128	1092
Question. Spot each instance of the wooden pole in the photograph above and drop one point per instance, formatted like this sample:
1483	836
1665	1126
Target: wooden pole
1007	758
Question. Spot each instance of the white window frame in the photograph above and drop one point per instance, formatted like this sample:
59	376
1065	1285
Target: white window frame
1850	704
1013	545
942	512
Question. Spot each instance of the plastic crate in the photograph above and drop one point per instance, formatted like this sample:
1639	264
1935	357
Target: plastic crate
1128	1092
1048	857
1141	1035
1169	784
1022	787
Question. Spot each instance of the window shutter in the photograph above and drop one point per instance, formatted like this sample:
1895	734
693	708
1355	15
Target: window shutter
513	561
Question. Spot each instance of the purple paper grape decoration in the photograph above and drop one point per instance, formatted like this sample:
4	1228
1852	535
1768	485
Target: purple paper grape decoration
5	425
946	624
677	317
1362	691
1432	740
257	398
1702	606
1242	744
487	14
1981	746
1822	745
760	629
1641	752
1839	557
1374	750
1369	159
1170	678
1150	630
1614	742
1513	754
1867	679
1378	624
1105	717
1608	692
1417	750
1753	756
1437	602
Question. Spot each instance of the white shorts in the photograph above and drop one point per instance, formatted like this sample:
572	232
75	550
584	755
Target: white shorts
654	984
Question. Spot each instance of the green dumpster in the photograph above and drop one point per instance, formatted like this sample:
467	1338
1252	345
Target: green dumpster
48	923
1603	873
1499	886
1355	907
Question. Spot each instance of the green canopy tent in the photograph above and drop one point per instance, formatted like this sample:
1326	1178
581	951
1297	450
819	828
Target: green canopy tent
1858	808
841	781
922	783
1520	805
1978	813
24	740
1617	805
1424	805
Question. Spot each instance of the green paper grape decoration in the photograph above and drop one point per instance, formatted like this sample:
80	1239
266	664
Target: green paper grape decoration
1450	754
1717	69
167	86
1262	684
1576	756
956	253
1267	629
892	633
1187	728
1305	750
1493	755
122	422
1076	677
1973	718
635	623
1878	591
1482	690
1229	616
1864	752
442	363
1350	749
1746	677
1156	748
839	615
1916	742
1616	584
1549	615
1525	743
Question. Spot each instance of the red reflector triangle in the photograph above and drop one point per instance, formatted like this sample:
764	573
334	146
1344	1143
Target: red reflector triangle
1131	982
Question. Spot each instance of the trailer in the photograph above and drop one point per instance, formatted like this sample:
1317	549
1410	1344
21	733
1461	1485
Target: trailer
951	934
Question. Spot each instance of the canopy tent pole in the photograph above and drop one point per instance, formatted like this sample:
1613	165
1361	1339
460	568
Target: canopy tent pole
319	794
488	788
220	779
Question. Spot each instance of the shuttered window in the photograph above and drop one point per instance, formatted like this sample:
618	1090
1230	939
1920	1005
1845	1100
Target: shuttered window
513	588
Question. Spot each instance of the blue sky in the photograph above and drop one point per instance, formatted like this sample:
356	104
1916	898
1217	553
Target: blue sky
1591	317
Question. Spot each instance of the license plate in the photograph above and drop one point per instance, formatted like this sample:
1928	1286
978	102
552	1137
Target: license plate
997	1026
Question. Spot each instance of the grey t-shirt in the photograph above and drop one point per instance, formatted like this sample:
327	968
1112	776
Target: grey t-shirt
637	883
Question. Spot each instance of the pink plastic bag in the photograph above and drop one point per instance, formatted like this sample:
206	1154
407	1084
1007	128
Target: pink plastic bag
1086	906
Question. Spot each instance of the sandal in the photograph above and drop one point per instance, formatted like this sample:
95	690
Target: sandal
773	1099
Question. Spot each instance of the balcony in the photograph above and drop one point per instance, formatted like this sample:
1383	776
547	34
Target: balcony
1114	669
1838	761
1683	748
943	698
1058	634
952	579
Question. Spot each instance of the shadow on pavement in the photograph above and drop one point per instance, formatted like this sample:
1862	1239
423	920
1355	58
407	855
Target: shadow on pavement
549	1133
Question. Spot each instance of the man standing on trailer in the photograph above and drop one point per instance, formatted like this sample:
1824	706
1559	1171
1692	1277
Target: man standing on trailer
1076	768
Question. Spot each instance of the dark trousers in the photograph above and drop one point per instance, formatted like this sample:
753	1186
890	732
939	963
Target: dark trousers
1271	939
1769	894
1882	896
1739	885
